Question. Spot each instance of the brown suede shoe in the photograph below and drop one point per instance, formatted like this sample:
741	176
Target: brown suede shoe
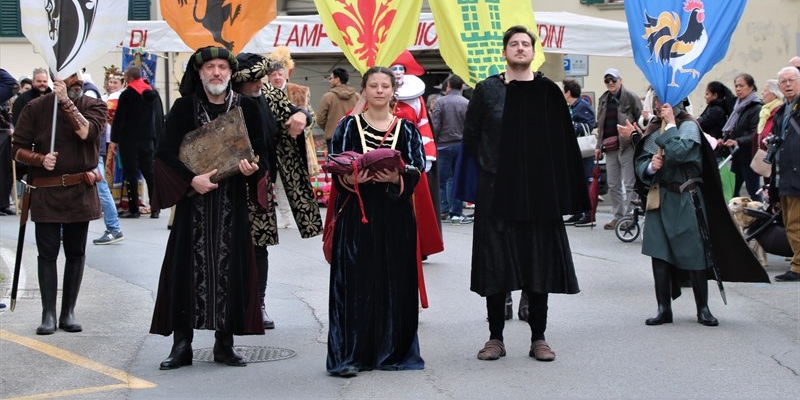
541	351
492	350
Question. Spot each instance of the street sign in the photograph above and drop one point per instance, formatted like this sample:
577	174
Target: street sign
576	65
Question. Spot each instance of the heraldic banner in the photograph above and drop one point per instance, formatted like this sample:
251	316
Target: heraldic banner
370	32
145	60
471	34
229	24
71	34
675	42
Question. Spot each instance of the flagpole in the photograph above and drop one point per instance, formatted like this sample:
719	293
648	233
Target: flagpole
53	130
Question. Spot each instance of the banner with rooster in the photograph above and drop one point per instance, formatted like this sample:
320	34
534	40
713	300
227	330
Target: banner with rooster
471	34
71	34
222	23
675	42
370	32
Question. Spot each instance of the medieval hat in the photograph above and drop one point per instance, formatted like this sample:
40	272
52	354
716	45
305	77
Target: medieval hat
191	79
280	58
409	63
252	67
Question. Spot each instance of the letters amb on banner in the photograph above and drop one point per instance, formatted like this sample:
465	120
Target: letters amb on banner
230	24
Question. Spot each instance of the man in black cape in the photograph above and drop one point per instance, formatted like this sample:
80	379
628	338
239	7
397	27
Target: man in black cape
208	278
519	128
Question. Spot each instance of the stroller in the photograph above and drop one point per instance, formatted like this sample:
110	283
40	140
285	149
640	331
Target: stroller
768	230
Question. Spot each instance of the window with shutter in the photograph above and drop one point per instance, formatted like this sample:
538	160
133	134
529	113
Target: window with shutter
9	18
139	10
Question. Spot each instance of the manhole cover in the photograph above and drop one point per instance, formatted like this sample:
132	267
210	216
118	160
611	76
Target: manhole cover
251	354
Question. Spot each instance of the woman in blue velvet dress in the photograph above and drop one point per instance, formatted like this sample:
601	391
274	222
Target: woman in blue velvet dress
373	309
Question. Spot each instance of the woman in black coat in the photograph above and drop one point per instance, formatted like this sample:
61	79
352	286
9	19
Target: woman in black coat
738	133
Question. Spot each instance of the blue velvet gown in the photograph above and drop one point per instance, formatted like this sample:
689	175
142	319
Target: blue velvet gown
373	308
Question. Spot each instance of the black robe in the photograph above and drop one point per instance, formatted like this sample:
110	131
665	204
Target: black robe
373	309
531	174
208	278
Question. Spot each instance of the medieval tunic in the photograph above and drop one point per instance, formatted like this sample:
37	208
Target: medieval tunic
373	305
208	277
531	174
671	232
76	203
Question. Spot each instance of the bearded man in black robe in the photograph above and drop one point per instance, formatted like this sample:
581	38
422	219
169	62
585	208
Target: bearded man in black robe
518	127
208	278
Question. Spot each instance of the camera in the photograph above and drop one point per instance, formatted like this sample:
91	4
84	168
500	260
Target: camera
773	144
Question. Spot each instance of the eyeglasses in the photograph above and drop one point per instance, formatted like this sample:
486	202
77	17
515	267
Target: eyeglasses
786	81
610	80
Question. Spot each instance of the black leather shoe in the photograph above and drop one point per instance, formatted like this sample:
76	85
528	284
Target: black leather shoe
128	214
7	211
155	214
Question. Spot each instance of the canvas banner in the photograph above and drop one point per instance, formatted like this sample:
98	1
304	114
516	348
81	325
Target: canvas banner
676	42
370	32
471	34
222	23
71	34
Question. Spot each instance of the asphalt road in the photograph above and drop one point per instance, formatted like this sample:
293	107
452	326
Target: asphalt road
603	348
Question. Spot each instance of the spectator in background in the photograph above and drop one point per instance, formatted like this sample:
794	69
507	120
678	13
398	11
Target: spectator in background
784	168
113	233
737	135
7	85
773	100
617	106
447	121
719	104
134	131
335	103
584	122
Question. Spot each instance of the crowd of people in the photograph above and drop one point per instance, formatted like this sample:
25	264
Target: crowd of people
383	223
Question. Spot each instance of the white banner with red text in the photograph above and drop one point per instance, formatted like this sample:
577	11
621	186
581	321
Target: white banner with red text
560	32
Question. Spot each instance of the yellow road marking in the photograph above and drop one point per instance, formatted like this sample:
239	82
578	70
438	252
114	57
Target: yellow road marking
129	381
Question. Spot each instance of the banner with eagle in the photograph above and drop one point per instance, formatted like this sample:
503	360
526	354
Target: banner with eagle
471	34
370	32
222	23
675	42
71	34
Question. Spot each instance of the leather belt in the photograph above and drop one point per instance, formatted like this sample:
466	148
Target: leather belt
674	187
63	180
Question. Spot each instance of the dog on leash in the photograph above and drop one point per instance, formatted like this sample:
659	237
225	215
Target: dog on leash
736	207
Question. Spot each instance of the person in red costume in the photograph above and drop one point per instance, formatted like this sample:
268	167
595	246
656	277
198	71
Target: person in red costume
411	106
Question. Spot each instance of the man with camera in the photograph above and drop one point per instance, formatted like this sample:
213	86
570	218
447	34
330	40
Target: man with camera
784	153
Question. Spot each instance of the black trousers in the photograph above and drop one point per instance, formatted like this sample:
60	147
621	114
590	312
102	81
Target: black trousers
137	157
49	240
